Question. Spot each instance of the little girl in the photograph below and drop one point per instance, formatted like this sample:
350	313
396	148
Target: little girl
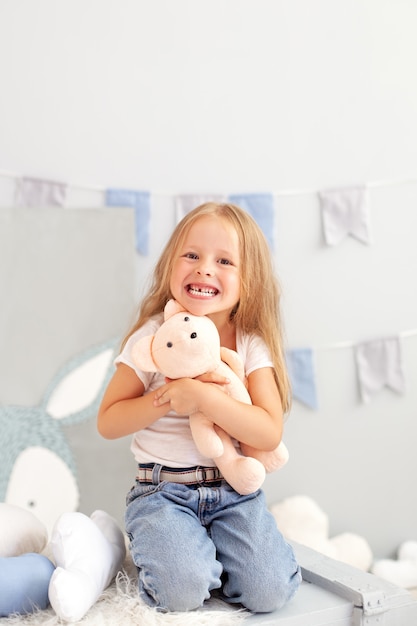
190	532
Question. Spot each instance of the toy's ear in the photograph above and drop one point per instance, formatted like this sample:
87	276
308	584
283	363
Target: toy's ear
142	354
171	308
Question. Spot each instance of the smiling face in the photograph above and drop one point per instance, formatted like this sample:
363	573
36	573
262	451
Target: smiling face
205	276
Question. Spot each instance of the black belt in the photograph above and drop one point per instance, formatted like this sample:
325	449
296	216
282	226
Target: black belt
153	474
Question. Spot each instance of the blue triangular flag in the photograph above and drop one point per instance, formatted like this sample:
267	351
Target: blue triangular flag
140	201
300	364
261	207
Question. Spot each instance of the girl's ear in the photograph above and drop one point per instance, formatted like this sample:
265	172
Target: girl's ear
171	308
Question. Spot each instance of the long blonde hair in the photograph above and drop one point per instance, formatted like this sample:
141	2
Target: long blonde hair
258	309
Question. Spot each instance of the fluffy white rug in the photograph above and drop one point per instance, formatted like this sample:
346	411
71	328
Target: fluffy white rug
120	606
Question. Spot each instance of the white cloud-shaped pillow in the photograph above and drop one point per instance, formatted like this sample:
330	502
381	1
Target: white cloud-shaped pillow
401	572
300	519
20	531
88	553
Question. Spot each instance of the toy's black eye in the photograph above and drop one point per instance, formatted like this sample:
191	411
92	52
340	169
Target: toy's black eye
193	335
186	319
169	344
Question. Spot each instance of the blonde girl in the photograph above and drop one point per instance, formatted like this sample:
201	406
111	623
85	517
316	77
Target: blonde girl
190	533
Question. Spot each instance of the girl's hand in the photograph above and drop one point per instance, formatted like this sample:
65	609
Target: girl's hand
212	377
183	395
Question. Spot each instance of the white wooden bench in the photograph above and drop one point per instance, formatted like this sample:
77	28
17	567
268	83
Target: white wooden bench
335	594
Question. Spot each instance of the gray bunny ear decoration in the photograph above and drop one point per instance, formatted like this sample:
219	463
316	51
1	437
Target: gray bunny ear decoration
38	470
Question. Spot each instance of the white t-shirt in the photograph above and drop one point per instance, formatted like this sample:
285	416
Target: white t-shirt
168	440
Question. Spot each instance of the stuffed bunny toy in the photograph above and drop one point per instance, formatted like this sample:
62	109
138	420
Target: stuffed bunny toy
49	552
187	345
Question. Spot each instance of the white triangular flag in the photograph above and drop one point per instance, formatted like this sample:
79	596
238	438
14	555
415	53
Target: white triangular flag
379	364
187	202
345	212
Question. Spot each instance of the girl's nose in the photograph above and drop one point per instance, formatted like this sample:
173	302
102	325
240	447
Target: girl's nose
205	269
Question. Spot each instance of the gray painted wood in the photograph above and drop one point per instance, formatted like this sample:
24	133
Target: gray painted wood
335	594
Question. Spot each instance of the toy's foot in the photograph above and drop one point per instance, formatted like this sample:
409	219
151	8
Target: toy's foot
250	477
245	474
271	461
24	582
88	554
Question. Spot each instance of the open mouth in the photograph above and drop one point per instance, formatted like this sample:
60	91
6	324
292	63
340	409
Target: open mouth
206	292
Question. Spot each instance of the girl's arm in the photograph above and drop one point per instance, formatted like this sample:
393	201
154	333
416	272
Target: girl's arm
259	424
124	409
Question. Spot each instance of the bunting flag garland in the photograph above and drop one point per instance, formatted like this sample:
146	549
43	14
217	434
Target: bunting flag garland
187	202
379	364
261	207
345	211
140	201
301	370
36	192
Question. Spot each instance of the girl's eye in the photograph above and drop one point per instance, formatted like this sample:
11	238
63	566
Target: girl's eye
191	255
224	261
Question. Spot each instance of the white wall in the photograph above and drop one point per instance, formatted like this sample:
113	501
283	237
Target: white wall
235	96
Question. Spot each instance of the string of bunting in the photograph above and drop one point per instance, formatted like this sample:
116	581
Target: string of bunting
345	212
378	361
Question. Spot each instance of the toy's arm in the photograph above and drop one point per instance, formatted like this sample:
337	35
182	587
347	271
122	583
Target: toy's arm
273	460
233	360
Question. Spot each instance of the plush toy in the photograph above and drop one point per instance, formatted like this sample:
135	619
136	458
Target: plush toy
300	519
24	573
20	531
187	345
401	572
84	554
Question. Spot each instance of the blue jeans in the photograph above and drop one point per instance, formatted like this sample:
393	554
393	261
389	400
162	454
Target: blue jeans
187	541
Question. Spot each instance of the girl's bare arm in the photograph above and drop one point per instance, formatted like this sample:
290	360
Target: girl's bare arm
124	409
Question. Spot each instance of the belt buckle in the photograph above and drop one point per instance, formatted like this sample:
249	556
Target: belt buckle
200	475
206	474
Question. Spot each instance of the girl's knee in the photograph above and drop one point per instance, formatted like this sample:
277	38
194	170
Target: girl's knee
270	594
184	593
179	588
277	597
